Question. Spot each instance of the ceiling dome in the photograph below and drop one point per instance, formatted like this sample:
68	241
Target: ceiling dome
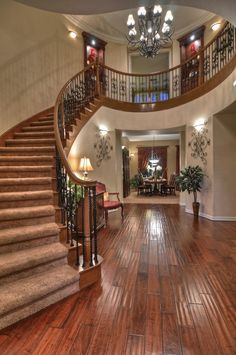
226	8
112	26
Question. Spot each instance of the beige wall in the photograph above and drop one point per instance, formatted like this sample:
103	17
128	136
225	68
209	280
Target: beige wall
36	59
143	65
205	197
225	165
110	171
171	154
117	56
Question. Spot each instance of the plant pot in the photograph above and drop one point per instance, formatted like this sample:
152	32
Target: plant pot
196	206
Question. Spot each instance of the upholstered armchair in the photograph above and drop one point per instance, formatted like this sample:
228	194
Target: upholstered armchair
108	203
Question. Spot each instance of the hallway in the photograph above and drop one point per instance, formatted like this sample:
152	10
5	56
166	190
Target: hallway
168	287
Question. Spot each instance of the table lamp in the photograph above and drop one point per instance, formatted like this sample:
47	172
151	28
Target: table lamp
85	166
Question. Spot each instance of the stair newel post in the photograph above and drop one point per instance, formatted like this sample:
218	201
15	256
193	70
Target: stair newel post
97	88
87	247
82	227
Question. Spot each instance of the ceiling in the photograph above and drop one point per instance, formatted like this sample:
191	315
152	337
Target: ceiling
112	26
226	8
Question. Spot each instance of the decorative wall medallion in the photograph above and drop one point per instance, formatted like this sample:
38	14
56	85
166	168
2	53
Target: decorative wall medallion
199	143
103	148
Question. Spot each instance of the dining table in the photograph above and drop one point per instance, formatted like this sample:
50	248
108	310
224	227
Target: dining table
156	185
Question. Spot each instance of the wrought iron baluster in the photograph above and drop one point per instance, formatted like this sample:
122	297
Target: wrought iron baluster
95	224
91	224
83	236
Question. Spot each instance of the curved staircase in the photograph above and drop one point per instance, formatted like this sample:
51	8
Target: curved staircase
34	270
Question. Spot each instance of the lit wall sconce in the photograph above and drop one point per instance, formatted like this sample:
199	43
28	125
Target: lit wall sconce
215	26
234	83
85	166
73	34
199	141
103	132
199	124
131	155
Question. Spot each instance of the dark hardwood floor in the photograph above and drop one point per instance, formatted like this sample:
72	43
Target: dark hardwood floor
168	287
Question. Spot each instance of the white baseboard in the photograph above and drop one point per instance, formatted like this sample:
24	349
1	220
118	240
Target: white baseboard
213	218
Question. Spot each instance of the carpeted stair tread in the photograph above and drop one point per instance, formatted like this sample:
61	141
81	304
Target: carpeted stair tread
26	181
42	123
9	214
27	141
25	195
34	134
26	233
25	291
27	259
46	118
26	168
26	149
47	128
24	158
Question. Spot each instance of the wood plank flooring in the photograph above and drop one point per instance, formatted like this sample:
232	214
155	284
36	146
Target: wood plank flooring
168	287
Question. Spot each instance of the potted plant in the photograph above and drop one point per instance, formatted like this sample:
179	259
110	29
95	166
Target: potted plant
134	182
190	179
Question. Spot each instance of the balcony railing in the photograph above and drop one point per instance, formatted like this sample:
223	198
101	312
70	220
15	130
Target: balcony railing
172	83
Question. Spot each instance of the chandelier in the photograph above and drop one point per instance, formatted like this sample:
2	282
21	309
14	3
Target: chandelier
153	32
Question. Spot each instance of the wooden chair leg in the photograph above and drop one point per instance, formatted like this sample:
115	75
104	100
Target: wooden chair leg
106	216
122	212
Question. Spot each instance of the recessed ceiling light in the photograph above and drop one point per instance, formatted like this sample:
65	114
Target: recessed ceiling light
192	38
215	26
234	83
72	34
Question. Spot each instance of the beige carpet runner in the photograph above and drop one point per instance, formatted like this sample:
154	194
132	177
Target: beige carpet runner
34	271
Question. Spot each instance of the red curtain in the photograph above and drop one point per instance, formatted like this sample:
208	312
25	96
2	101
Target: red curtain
145	153
143	158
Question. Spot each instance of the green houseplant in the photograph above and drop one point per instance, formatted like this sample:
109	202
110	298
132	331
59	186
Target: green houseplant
190	179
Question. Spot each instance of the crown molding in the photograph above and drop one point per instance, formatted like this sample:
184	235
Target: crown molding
201	21
78	21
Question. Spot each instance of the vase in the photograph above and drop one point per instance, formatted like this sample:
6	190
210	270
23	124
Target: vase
196	206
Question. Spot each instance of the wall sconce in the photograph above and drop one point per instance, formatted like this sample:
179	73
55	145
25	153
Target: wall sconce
72	34
199	141
103	146
103	131
131	155
215	26
85	166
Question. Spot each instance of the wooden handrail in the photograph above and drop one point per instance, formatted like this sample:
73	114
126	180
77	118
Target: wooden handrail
74	178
